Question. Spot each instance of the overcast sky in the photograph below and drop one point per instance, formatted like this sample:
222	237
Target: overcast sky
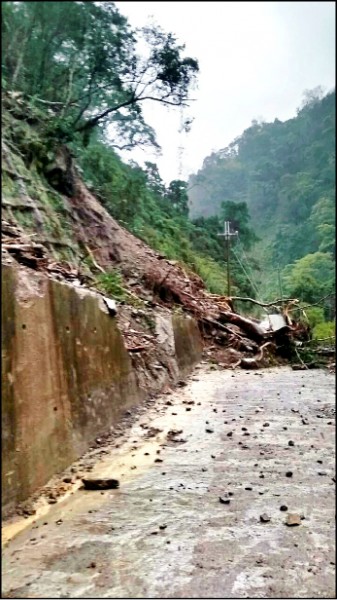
256	59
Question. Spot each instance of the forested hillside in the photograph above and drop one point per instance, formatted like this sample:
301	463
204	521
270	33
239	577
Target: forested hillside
72	75
73	78
284	174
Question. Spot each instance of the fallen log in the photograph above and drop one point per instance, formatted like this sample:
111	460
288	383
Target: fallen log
252	363
253	330
218	325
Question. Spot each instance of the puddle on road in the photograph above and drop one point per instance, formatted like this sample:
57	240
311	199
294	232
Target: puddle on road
16	525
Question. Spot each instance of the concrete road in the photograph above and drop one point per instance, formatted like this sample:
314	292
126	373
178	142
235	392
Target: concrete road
259	440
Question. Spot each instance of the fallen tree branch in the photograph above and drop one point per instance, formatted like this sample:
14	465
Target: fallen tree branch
165	277
331	337
93	259
264	304
220	326
315	303
248	363
301	361
144	335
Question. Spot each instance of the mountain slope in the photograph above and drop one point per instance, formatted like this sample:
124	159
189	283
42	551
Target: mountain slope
285	172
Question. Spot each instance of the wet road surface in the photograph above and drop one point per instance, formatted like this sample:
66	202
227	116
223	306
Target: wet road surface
165	534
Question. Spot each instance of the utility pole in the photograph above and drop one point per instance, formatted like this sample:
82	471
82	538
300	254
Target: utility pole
227	234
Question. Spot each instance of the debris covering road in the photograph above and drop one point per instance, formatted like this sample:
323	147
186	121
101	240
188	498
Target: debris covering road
240	506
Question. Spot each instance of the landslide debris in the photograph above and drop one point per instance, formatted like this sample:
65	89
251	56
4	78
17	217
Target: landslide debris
91	249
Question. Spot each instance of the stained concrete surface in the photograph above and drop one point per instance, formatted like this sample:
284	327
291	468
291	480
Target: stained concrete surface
67	375
165	534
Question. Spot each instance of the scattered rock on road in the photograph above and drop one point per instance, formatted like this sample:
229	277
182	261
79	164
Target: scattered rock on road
293	519
224	500
94	483
265	518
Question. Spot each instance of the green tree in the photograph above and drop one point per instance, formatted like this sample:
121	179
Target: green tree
176	194
80	59
238	216
311	277
323	217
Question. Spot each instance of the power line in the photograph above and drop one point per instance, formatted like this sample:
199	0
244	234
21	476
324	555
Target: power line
244	270
250	278
271	271
227	234
181	147
245	256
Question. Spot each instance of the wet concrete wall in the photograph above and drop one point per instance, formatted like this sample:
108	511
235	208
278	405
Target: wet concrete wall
66	376
187	339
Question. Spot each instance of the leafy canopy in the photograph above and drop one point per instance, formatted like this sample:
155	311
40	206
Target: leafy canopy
80	60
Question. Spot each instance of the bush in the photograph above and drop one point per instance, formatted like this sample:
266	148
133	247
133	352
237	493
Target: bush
315	316
325	330
112	285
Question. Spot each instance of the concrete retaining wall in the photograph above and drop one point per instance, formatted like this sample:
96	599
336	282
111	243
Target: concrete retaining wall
66	376
187	339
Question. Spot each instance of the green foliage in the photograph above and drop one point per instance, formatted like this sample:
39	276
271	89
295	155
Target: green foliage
311	277
281	170
238	216
325	330
177	196
284	176
315	315
70	66
323	218
205	238
212	274
76	76
112	284
25	218
79	61
139	200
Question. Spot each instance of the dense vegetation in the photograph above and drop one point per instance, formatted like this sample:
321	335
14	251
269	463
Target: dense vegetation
285	173
78	68
80	60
